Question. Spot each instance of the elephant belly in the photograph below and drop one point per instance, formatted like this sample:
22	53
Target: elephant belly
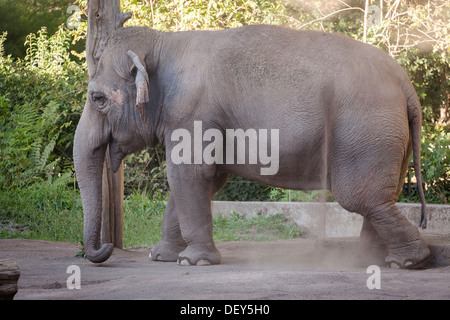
300	167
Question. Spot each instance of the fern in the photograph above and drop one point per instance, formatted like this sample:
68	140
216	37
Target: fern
41	155
40	104
62	180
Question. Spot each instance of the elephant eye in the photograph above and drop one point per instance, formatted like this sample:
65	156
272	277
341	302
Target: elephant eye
133	72
99	98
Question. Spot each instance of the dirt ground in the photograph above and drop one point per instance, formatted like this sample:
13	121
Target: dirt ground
286	270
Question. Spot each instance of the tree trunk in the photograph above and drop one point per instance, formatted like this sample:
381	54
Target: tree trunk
104	16
9	275
366	12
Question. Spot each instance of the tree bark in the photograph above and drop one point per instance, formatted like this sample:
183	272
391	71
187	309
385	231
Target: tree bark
366	12
104	16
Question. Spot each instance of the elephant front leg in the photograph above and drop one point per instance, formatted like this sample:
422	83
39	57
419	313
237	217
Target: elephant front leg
196	228
192	196
171	243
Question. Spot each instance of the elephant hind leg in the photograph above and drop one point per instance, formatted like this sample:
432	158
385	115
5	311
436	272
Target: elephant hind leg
372	249
406	247
383	222
373	195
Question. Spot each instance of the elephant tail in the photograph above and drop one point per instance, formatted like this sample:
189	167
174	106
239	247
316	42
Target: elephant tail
415	125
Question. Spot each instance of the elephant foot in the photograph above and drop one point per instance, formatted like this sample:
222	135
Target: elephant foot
199	257
165	251
413	256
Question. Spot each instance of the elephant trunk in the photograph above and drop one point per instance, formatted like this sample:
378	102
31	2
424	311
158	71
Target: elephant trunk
89	154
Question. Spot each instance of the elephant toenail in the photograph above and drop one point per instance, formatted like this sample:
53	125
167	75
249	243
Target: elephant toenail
203	263
408	263
394	265
184	262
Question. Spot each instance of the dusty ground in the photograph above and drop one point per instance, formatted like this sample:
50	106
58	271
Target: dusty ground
293	269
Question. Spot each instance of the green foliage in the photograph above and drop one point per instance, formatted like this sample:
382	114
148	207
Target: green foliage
429	73
143	218
199	14
278	194
239	189
146	170
44	211
40	103
259	228
51	212
436	162
20	18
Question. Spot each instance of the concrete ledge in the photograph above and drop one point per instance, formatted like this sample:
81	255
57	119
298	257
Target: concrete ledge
330	219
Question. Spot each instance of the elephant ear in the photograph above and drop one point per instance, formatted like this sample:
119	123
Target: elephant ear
141	81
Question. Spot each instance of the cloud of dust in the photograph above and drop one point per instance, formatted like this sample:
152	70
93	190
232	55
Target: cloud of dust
317	254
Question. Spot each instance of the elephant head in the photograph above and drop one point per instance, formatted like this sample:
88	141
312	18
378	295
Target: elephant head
115	114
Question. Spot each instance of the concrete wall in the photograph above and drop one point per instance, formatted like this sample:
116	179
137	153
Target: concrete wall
330	219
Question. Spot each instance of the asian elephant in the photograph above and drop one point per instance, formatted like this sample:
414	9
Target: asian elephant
342	115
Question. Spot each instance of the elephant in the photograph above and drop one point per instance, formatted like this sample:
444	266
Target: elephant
342	116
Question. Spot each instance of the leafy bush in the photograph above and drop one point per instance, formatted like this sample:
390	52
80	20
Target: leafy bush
201	15
436	162
239	189
146	170
41	100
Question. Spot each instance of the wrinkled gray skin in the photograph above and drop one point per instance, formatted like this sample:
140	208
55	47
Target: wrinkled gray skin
347	114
